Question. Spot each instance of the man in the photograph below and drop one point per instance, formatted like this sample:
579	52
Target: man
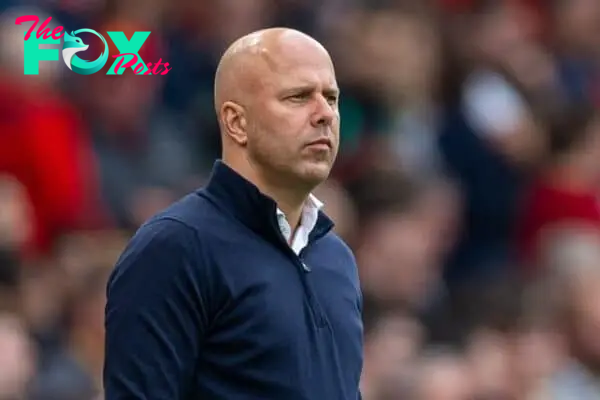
241	290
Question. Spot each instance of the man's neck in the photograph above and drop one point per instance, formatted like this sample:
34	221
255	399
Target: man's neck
290	200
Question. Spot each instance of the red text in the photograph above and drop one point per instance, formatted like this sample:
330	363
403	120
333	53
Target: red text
138	70
42	29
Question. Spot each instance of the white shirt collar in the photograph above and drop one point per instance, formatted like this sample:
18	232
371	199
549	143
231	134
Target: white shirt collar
310	214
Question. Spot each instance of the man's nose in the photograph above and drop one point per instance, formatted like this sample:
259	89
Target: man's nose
324	113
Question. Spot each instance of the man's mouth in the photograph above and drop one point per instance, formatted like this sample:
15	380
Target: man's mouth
323	142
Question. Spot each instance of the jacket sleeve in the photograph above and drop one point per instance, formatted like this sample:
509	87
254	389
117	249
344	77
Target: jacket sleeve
154	316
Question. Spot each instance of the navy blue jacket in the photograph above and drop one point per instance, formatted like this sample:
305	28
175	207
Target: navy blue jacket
208	301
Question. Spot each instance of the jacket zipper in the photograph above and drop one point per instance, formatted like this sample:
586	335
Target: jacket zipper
303	270
315	306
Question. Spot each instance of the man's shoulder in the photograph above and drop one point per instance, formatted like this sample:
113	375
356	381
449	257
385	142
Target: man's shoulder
333	254
195	220
334	243
184	224
168	243
192	210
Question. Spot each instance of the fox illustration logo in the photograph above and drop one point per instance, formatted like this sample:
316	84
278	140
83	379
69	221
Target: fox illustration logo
73	44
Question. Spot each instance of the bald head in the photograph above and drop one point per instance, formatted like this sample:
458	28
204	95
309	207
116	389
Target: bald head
276	98
253	57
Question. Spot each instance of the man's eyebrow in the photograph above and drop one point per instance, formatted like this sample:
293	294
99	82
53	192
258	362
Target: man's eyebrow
298	89
333	91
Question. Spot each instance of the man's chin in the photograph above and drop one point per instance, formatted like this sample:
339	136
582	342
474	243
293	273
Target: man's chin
314	173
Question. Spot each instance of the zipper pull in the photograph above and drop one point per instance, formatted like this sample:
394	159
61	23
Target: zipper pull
306	267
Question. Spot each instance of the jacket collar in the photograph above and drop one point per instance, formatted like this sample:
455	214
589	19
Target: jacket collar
244	201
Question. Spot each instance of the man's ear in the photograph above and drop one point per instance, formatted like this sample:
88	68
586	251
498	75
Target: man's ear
233	117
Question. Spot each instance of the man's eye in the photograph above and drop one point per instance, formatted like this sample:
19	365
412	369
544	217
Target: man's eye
299	97
332	99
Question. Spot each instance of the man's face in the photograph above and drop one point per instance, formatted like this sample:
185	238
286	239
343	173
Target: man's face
293	118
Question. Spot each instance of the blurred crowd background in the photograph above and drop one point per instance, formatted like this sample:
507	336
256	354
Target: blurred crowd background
467	184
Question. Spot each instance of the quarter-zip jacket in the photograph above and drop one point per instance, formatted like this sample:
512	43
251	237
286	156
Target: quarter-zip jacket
208	301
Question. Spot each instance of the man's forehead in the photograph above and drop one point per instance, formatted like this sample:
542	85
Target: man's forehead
300	75
290	67
276	59
287	54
